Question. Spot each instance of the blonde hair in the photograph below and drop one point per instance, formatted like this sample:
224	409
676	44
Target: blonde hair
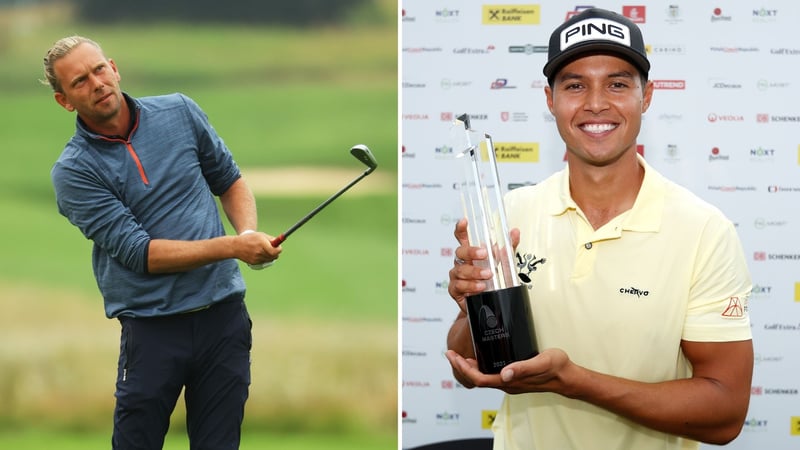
60	49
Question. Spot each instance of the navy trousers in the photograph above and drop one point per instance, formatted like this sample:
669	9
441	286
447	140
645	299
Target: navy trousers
207	352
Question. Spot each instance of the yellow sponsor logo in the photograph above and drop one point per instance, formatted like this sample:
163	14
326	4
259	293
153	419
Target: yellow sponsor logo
795	431
487	418
511	151
797	292
517	151
511	14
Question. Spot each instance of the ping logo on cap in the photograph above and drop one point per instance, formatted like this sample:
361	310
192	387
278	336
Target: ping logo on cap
595	29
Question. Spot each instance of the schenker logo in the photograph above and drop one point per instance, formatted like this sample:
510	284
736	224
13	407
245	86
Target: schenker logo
593	29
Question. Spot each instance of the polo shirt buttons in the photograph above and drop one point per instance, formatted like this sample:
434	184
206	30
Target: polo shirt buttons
587	246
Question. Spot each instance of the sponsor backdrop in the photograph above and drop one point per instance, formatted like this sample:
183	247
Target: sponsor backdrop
725	122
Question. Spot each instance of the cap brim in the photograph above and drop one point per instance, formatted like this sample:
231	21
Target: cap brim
552	66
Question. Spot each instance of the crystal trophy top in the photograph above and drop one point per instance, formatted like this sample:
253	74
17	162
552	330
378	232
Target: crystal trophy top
482	202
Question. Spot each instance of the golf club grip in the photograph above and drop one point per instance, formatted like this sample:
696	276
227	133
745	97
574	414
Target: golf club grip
278	240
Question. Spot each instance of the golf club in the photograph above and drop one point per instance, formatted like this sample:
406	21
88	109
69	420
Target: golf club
361	153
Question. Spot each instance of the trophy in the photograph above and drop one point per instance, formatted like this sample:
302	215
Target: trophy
500	318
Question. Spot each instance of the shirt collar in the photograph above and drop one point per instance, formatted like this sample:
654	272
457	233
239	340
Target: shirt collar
134	108
647	210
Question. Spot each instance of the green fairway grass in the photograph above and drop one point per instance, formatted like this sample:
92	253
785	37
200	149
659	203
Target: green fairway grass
325	316
38	439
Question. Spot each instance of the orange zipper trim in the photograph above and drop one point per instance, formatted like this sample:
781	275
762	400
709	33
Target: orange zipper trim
135	157
131	150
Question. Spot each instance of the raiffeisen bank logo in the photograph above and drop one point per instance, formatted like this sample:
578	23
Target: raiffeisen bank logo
511	15
517	151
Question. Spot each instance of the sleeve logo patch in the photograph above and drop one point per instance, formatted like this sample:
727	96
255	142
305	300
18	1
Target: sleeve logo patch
735	308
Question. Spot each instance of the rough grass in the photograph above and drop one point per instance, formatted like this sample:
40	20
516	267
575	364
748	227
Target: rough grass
58	360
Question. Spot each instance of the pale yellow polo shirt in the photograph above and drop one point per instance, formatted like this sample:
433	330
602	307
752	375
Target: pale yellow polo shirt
619	300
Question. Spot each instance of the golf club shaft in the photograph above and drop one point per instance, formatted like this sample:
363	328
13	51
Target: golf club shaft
278	240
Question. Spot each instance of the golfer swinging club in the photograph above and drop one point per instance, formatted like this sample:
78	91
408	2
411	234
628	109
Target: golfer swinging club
139	178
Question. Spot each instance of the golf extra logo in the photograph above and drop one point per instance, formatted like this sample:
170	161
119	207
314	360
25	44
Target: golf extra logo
526	264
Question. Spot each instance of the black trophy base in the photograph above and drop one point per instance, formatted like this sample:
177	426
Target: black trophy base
502	328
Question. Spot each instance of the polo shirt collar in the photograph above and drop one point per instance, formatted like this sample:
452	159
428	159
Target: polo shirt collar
647	210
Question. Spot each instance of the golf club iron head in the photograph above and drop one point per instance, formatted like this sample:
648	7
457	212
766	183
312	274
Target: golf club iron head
361	152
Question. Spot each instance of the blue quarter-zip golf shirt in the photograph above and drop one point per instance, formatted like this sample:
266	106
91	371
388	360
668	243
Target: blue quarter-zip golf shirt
159	183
